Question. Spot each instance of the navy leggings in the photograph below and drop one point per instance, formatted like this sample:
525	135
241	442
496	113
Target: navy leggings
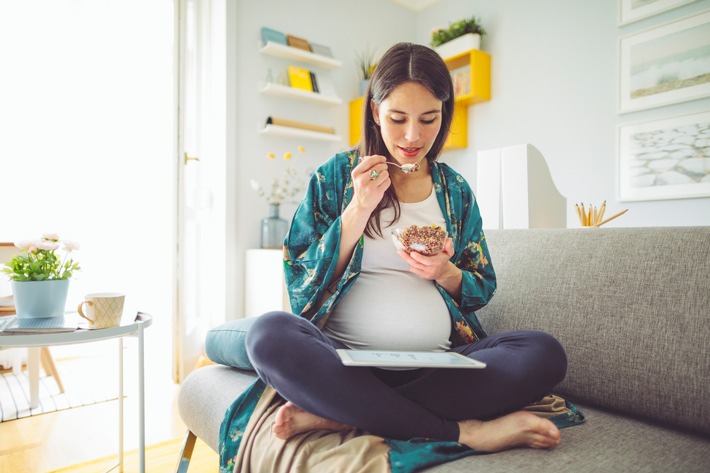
300	362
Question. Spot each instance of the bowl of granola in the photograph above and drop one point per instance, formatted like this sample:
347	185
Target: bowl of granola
427	240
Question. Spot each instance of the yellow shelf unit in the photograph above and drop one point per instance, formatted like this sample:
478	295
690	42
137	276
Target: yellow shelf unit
355	120
473	69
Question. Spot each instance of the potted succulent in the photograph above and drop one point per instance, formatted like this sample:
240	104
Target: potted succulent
366	64
40	278
459	36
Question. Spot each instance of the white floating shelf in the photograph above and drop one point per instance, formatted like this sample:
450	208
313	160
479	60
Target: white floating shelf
290	132
285	91
300	55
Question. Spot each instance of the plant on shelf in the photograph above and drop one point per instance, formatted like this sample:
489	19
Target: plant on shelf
38	260
458	28
366	64
287	188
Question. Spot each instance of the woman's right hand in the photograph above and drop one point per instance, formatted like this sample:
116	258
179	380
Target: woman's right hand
371	179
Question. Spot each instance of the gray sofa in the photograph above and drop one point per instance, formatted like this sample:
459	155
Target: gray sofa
632	308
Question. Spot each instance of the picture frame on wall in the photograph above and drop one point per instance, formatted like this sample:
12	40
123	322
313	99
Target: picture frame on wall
634	10
663	159
665	65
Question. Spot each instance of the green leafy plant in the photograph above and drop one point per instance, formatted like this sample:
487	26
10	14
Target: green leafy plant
456	29
38	260
366	63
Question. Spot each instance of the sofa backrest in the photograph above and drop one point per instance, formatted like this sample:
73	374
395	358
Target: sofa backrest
631	306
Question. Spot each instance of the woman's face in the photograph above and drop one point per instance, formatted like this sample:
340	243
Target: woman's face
409	119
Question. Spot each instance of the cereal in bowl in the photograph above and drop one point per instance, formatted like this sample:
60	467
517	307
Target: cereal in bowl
428	240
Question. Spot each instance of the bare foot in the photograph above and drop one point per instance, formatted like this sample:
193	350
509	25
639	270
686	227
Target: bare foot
518	429
291	420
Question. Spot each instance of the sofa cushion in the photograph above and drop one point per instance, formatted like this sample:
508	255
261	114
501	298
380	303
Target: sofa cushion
605	442
629	305
225	345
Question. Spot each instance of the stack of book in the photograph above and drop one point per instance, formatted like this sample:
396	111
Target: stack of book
303	79
278	37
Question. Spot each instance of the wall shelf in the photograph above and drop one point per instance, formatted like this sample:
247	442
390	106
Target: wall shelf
285	91
290	132
478	65
300	55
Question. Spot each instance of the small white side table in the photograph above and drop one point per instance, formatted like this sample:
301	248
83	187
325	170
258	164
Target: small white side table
135	328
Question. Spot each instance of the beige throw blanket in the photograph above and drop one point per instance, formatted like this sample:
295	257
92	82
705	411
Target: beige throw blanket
318	451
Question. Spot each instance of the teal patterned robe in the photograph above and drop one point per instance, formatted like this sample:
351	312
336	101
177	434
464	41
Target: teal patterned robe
310	257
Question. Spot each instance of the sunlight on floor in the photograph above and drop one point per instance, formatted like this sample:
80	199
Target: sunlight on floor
49	441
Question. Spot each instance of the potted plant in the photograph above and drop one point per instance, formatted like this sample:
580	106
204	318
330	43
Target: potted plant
366	66
287	188
462	35
40	277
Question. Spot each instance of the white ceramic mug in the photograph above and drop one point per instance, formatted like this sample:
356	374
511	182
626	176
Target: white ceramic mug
103	309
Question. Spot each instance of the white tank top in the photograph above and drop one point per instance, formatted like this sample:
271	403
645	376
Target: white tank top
389	308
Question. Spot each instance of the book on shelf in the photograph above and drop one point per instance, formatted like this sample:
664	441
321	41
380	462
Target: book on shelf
461	78
272	35
13	325
321	50
296	42
299	125
300	78
314	82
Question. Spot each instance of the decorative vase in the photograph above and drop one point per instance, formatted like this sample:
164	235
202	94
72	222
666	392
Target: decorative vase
273	229
459	45
40	298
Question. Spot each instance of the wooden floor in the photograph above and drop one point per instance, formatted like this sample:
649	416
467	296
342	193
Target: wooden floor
49	441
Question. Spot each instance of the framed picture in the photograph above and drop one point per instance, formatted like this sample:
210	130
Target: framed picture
665	159
665	65
634	10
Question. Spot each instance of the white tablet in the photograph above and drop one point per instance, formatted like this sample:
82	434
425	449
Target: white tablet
407	359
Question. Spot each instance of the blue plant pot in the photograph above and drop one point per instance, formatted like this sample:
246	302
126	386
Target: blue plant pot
40	298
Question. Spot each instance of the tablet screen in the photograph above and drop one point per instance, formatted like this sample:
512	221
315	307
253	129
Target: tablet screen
407	359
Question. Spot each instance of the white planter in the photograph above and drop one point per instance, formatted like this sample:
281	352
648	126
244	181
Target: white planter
459	45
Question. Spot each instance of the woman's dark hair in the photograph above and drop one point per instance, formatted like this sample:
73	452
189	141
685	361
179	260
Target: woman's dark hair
404	62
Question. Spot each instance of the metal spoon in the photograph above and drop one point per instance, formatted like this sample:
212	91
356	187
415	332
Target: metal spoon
406	168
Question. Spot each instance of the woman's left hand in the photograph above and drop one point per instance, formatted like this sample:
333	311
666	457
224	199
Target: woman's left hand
435	267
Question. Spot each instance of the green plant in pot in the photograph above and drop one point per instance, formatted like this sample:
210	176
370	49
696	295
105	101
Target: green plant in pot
40	276
366	64
456	29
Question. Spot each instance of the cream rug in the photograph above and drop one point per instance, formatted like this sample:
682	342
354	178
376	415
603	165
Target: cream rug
86	381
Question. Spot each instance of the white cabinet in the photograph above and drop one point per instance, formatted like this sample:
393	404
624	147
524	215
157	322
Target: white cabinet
265	288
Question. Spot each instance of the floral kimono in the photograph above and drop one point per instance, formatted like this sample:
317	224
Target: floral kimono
310	257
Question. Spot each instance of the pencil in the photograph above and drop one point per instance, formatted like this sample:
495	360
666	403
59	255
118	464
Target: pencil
611	218
579	213
601	212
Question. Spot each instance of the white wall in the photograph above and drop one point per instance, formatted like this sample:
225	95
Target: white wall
554	85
